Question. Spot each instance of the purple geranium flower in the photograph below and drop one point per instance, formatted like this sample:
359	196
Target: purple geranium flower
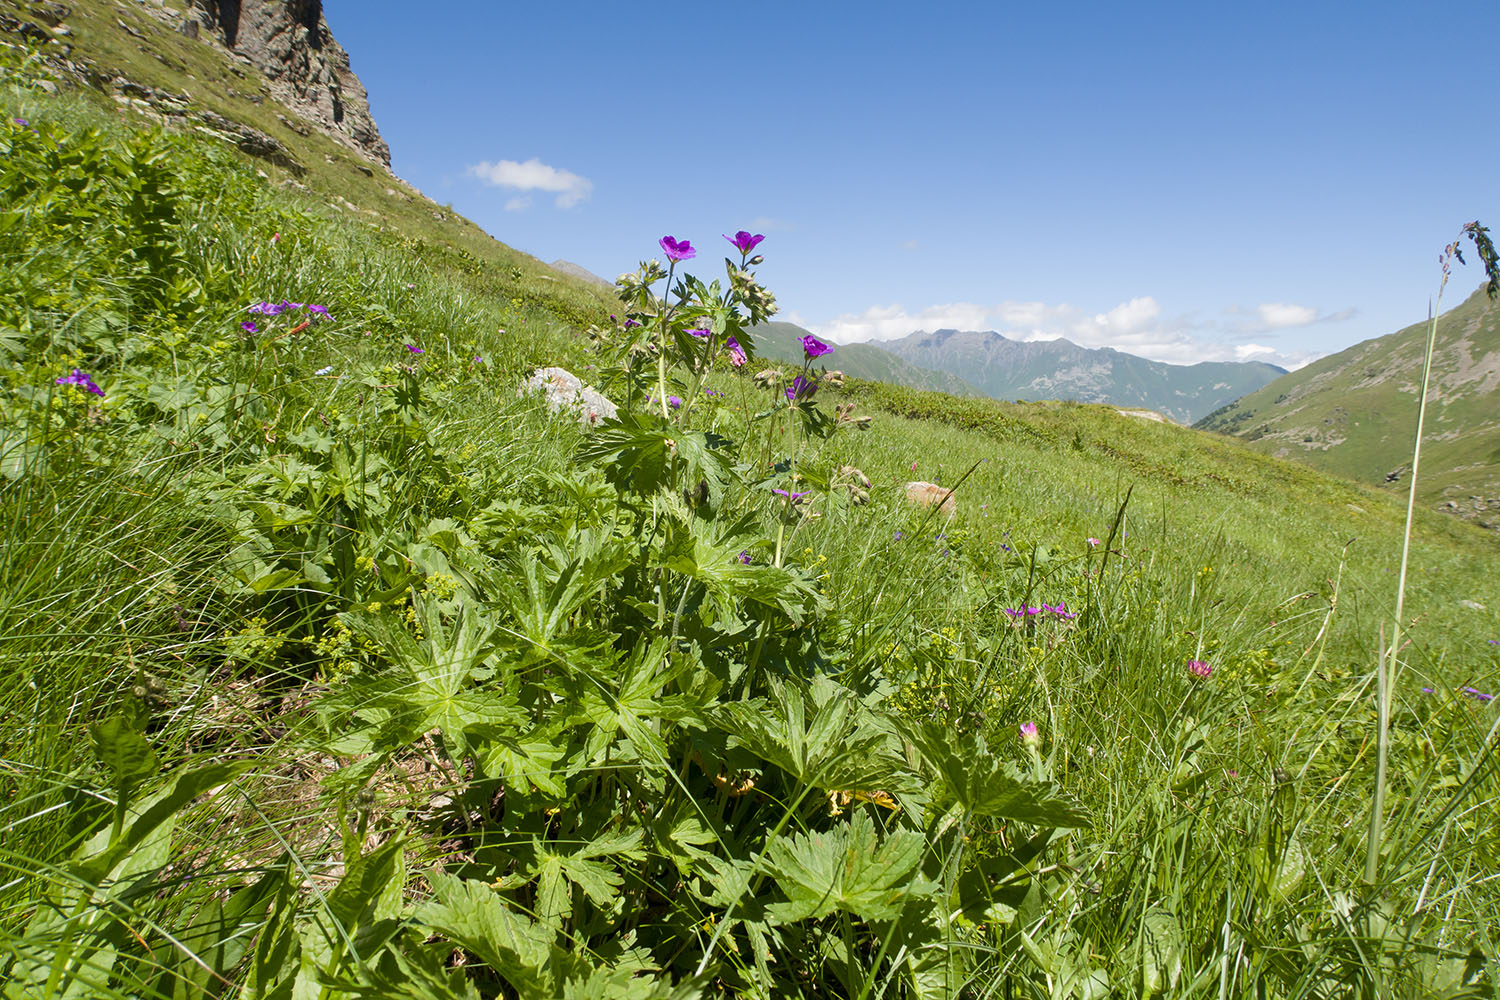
81	380
675	402
249	326
318	310
736	353
744	557
792	496
743	241
812	347
265	309
801	388
699	333
677	250
415	349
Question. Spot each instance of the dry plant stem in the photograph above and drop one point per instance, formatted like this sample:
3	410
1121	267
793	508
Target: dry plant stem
1386	665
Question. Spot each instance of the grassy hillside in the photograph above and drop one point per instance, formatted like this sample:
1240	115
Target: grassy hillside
337	668
783	342
1353	413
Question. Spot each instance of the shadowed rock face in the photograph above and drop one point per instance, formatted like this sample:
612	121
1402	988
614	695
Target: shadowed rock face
290	43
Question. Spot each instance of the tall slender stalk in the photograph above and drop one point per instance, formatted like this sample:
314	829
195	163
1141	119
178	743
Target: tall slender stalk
1385	665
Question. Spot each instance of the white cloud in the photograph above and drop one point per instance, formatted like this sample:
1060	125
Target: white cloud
1136	326
534	175
1270	316
1276	315
518	204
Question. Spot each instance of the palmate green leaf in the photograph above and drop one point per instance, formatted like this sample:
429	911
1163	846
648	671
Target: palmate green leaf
818	732
848	869
600	881
433	686
523	761
544	590
695	549
475	918
979	783
626	706
639	454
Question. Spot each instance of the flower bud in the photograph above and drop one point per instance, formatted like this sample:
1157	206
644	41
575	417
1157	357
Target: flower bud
1029	734
835	379
757	260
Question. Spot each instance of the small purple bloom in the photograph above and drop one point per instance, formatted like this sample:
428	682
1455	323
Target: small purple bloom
699	333
415	349
744	557
677	250
736	353
743	241
675	402
792	496
81	380
630	323
1427	690
249	326
1471	692
1029	734
478	360
801	388
1092	542
265	309
812	347
612	318
21	122
1199	668
318	310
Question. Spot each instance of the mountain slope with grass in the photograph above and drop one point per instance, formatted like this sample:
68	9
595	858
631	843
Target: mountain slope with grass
1354	413
337	665
783	342
1060	369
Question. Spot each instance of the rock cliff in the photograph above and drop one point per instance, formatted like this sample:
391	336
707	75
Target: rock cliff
308	71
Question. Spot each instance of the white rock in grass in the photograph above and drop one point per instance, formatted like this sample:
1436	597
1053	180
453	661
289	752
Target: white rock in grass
564	390
1472	605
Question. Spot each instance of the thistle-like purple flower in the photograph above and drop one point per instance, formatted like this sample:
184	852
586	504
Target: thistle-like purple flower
801	388
744	242
81	380
736	353
1200	668
1030	734
677	250
812	347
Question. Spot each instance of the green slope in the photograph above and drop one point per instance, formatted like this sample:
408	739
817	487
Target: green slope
783	342
1354	413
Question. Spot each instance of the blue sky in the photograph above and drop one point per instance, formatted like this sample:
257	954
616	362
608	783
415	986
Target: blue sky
1183	181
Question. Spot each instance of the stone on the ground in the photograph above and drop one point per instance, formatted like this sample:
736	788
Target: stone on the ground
564	390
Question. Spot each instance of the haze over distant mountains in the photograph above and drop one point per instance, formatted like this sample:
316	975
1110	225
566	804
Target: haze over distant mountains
1002	368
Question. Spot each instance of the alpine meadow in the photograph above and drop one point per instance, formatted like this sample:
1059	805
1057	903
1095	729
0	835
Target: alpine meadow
387	614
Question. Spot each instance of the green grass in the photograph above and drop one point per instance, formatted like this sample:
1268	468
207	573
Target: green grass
440	696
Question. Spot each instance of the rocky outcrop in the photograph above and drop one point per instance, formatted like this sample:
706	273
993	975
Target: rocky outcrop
289	42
